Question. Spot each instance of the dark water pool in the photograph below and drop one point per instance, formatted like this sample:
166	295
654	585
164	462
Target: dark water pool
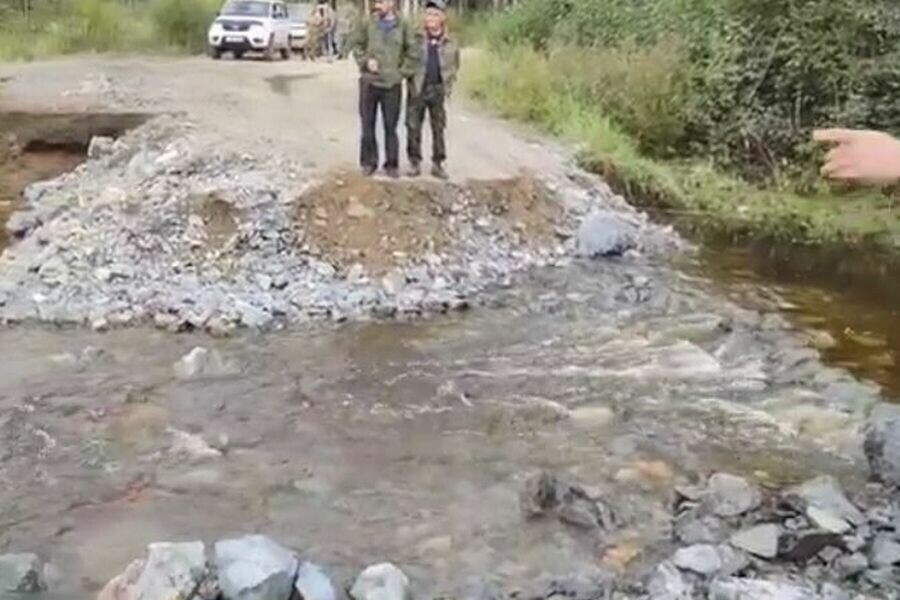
847	298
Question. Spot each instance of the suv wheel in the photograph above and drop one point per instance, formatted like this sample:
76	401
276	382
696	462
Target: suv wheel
215	53
286	53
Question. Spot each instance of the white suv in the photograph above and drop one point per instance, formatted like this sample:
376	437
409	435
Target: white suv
251	26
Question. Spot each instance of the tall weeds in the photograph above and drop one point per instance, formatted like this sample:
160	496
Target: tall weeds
106	26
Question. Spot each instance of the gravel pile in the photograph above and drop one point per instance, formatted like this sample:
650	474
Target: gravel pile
166	227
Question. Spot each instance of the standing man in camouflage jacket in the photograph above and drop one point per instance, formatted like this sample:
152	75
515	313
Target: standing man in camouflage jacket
429	89
385	48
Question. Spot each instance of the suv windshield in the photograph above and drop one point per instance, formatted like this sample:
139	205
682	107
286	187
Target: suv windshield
246	8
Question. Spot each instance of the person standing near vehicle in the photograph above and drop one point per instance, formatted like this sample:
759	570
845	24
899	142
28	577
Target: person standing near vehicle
386	51
324	23
429	89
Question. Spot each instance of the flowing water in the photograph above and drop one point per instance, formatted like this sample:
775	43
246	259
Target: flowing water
409	441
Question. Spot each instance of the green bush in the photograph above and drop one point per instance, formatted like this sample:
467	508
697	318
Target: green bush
750	78
184	23
93	25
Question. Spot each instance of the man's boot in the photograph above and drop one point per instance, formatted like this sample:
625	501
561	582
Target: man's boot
392	172
438	171
415	169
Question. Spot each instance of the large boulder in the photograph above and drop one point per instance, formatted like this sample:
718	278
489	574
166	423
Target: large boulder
255	567
709	560
604	233
381	582
20	573
730	496
313	584
201	362
760	540
882	443
171	571
825	504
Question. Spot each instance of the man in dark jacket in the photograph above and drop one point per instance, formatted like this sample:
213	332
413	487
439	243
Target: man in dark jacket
429	88
384	47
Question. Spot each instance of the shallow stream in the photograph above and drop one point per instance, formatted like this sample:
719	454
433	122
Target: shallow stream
408	442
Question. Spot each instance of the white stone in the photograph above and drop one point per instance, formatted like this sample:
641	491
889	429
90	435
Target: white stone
381	582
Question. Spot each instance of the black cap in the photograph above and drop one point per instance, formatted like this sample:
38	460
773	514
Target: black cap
441	5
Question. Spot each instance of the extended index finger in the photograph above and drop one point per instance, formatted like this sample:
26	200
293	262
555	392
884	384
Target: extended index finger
836	136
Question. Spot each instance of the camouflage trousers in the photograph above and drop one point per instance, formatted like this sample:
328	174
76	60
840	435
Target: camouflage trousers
430	101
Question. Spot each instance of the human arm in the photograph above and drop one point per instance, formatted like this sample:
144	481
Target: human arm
360	44
410	54
860	155
454	72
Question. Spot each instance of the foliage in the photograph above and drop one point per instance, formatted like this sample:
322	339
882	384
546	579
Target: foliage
523	83
55	27
750	78
183	23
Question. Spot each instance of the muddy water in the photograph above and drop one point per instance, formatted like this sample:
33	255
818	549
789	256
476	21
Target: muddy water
403	442
409	442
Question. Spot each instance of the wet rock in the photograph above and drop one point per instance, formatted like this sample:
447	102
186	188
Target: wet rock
850	565
668	583
169	572
252	316
21	573
381	582
758	589
882	444
821	340
708	529
100	146
254	567
761	540
545	494
313	584
604	233
730	495
706	559
191	447
824	501
829	591
200	362
885	552
827	520
885	578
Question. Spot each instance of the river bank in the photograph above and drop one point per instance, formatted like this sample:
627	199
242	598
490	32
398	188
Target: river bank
515	83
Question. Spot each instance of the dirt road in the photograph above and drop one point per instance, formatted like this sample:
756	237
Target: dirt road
297	109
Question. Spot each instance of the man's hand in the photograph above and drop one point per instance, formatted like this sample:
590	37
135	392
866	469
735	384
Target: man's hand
869	156
372	65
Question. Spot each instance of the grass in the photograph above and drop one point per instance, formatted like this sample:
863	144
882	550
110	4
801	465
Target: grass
161	26
523	84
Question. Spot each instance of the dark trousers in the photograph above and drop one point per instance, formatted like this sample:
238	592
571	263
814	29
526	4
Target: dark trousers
431	100
388	99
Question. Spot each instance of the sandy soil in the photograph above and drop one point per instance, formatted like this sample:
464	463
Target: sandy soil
304	110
